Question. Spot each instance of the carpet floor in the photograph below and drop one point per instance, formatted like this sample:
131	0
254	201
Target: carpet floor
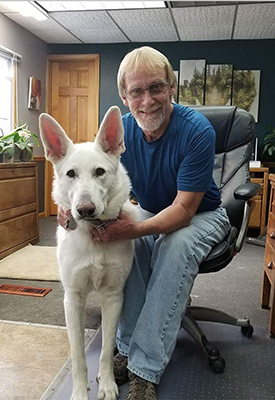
47	310
248	374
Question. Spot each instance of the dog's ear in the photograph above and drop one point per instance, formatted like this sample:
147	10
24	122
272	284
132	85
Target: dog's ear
54	138
110	136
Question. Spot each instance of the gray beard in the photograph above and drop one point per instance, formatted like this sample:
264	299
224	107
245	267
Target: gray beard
151	124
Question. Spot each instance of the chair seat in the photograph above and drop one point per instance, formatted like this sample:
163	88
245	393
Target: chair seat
220	255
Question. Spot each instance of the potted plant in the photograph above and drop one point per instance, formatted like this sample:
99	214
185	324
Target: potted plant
268	145
17	145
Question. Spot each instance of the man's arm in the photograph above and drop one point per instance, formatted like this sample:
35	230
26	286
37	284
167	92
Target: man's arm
176	216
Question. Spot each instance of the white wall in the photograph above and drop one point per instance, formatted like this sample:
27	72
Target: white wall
34	54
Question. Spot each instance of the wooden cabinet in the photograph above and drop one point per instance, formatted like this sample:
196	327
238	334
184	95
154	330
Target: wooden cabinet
268	295
258	215
18	206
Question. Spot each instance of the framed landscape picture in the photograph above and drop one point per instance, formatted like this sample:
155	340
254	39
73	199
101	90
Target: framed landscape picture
175	97
191	82
246	89
218	90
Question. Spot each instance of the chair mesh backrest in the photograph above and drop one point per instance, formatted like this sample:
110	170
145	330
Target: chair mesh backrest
234	144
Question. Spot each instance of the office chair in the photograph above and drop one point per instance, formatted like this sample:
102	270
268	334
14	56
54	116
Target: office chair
234	143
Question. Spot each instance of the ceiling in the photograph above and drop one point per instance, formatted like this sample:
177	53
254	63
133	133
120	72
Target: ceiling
178	21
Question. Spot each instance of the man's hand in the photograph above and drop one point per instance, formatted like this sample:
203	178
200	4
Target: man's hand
123	228
63	216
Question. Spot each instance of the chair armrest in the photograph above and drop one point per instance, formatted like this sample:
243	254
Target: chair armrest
246	191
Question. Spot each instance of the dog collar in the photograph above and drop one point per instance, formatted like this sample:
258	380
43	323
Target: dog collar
100	225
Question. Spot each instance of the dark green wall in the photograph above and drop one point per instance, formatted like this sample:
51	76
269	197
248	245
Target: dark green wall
243	54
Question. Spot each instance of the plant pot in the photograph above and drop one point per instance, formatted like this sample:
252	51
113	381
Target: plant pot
7	160
1	158
17	154
26	156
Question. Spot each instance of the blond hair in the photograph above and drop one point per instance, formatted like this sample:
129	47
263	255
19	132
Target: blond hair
151	60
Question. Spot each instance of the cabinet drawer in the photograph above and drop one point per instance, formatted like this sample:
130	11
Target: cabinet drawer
14	172
255	217
271	221
17	211
272	203
17	192
269	259
260	182
17	230
270	234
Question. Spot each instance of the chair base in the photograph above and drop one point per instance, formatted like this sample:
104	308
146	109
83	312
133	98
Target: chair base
189	324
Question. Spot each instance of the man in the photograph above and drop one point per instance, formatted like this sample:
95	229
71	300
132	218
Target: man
169	157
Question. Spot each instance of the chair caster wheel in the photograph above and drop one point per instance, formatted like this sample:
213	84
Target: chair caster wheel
247	330
217	365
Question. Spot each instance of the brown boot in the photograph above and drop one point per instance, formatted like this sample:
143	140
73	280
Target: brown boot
120	369
140	389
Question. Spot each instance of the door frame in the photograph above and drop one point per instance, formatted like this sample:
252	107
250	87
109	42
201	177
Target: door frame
50	59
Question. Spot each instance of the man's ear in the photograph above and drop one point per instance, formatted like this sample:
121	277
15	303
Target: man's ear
55	141
125	101
110	136
172	91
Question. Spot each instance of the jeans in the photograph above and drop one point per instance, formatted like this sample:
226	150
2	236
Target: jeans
158	289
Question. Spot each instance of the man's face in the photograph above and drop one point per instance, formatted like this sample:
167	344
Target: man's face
149	110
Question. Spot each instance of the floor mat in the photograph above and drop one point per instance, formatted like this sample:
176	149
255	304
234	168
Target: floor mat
32	263
248	375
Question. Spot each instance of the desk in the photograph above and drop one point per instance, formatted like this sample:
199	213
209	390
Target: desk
258	215
268	288
18	206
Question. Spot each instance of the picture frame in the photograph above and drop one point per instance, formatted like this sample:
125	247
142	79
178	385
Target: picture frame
246	90
175	97
219	82
191	82
34	99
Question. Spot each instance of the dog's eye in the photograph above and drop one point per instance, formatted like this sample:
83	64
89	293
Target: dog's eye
71	173
99	171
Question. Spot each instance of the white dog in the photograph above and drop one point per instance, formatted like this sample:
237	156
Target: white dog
92	183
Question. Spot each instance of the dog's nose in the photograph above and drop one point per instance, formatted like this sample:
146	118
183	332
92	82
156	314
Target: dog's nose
86	210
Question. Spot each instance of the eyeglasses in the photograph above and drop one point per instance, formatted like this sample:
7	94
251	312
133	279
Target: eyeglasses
155	89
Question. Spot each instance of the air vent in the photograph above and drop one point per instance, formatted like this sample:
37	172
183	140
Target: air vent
24	290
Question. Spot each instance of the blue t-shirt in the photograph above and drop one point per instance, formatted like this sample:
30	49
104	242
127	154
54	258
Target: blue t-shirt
181	159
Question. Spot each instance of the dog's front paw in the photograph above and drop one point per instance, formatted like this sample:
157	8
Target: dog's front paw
107	390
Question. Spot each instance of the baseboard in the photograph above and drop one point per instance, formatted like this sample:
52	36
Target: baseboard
42	215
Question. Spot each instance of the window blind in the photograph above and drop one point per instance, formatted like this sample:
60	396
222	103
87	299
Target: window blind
10	54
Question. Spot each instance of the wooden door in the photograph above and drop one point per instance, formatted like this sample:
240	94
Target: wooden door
73	100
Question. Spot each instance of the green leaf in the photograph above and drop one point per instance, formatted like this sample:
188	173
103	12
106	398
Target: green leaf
19	128
21	146
7	137
36	141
